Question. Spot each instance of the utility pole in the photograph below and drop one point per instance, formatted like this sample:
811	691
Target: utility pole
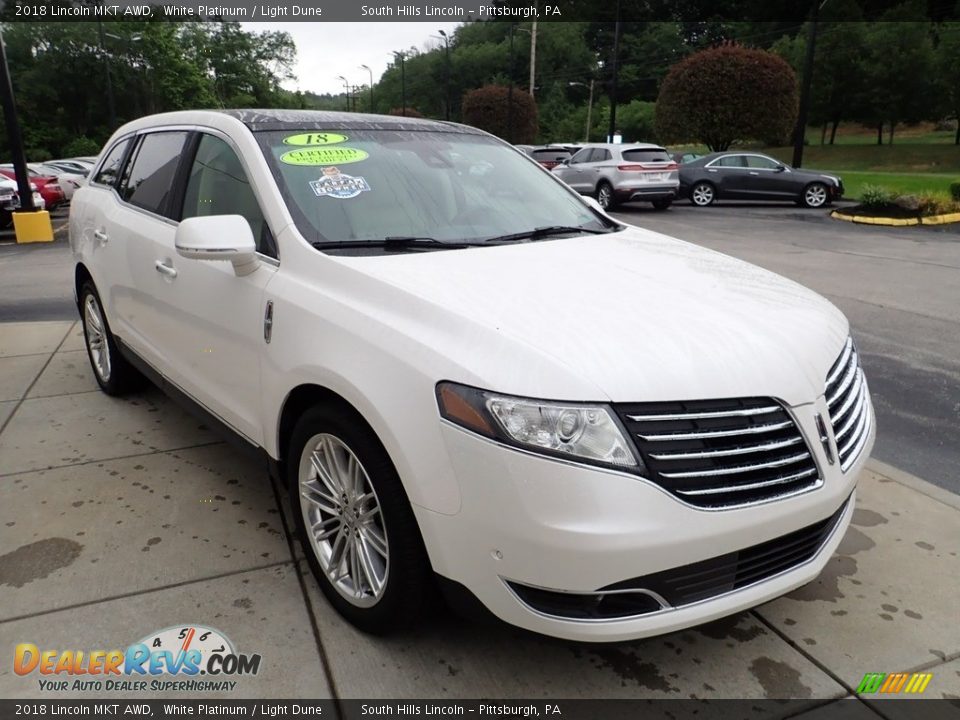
613	83
799	134
346	92
586	134
403	82
111	105
510	91
533	56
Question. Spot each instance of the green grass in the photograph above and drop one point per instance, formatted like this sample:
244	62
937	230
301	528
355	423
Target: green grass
897	183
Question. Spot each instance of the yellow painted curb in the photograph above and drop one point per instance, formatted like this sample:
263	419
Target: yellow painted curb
898	222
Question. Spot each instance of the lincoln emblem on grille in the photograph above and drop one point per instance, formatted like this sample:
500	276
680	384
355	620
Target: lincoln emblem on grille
824	438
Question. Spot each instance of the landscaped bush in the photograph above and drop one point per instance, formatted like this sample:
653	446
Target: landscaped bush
875	196
955	191
936	204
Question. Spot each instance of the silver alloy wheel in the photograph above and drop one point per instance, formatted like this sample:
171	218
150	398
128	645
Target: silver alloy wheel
604	195
95	333
702	194
815	195
341	514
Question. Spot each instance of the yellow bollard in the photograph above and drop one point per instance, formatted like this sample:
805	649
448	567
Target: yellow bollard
32	227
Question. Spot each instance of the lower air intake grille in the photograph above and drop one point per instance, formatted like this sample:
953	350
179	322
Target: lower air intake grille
722	453
723	574
849	405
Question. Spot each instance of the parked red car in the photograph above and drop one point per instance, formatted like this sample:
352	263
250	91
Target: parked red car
47	185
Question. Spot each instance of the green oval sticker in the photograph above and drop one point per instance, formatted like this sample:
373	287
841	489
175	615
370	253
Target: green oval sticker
314	138
323	156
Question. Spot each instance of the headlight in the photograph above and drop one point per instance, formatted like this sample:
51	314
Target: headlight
589	433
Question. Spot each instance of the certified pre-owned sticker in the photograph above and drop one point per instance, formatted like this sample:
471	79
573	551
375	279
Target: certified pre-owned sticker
335	184
314	138
312	156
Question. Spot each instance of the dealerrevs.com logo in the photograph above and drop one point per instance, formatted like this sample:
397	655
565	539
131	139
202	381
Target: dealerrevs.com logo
200	658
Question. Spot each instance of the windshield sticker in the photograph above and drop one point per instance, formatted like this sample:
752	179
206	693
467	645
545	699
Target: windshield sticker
335	184
313	156
314	138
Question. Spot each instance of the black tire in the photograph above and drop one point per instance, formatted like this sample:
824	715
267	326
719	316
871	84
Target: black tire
662	204
703	194
604	195
816	195
120	377
408	579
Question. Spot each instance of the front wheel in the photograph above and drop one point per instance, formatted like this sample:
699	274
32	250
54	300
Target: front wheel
355	522
815	195
702	194
605	195
662	204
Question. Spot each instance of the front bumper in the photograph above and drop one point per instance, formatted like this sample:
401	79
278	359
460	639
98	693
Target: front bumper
566	527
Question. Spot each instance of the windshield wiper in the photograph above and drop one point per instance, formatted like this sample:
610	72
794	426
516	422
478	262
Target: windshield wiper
547	231
395	242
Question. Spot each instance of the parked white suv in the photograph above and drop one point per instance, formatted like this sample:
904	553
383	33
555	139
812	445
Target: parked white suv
470	377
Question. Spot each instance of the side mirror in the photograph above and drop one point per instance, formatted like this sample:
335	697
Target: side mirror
218	237
780	168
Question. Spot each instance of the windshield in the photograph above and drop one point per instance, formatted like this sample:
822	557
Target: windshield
368	185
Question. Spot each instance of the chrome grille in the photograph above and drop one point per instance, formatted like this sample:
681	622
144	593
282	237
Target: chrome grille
849	404
722	453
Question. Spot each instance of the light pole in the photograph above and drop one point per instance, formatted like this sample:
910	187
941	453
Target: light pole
13	134
613	84
346	92
586	134
111	106
367	68
510	92
446	74
403	82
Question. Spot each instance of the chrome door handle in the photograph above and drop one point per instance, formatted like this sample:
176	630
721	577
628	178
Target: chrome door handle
100	236
164	269
754	173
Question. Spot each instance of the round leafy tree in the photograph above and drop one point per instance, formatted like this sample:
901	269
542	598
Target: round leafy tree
725	94
489	108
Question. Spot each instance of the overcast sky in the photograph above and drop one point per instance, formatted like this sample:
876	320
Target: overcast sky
325	50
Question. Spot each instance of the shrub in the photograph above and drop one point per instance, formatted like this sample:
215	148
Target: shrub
488	108
410	112
875	196
726	94
955	191
937	204
80	146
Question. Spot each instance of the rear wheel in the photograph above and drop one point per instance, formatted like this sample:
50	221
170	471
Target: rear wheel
605	195
355	522
113	373
815	195
702	194
662	204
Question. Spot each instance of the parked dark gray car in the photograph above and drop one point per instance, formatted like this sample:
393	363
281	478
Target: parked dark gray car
752	176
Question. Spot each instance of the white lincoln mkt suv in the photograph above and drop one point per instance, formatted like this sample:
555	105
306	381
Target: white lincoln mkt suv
472	379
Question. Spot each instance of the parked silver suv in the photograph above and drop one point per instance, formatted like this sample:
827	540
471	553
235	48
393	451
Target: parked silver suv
622	173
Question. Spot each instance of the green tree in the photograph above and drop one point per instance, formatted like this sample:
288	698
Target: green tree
728	93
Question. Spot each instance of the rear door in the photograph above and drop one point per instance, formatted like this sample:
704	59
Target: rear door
731	171
578	173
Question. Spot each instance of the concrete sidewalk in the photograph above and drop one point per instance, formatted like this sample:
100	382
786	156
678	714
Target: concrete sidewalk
119	517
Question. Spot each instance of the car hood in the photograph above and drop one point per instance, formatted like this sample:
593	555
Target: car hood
634	315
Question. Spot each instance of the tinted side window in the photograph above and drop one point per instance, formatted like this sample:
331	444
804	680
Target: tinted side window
110	170
731	161
600	155
218	185
149	179
581	156
764	163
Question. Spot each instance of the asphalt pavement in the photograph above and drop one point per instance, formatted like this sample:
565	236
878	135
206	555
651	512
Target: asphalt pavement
900	288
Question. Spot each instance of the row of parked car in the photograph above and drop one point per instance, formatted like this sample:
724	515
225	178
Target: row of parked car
617	173
53	184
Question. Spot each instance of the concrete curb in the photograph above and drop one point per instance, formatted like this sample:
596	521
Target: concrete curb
897	222
914	483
